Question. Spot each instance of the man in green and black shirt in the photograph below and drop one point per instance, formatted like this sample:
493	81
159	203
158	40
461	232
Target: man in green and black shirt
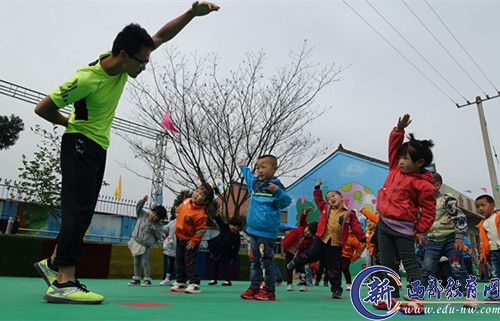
94	91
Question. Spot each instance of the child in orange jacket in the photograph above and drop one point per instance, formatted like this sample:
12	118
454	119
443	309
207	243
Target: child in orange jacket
371	235
351	251
189	229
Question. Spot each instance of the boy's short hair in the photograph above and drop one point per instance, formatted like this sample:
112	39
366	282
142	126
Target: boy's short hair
418	149
274	159
437	177
160	211
487	197
209	193
132	39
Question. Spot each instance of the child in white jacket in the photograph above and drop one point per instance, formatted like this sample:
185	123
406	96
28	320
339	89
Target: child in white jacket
169	251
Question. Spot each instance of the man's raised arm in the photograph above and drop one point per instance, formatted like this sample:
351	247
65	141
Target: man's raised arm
173	27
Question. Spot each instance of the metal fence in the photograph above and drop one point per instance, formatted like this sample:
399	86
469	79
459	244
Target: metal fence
105	204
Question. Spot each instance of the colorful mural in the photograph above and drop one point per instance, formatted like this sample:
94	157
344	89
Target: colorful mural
35	217
356	196
45	221
357	177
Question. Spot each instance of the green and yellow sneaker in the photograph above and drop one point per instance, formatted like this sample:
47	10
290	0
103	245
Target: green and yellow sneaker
48	274
71	292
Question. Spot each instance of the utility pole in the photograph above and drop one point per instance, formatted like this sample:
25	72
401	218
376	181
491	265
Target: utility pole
159	169
487	145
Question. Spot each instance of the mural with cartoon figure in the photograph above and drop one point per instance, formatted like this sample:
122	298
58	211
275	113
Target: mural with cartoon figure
356	196
356	176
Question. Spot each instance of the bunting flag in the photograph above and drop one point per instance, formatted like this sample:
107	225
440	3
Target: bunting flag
118	190
167	123
484	189
468	191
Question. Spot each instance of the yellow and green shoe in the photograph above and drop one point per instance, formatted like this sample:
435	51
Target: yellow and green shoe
71	292
48	274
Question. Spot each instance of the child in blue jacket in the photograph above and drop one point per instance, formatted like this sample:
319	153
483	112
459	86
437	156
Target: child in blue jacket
267	199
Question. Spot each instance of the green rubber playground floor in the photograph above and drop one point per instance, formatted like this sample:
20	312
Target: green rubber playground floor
22	299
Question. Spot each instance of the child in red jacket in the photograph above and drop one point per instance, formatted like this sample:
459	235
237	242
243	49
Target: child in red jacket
406	202
296	242
334	222
291	243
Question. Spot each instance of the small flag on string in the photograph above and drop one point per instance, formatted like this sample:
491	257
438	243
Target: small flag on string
468	191
118	190
484	189
167	123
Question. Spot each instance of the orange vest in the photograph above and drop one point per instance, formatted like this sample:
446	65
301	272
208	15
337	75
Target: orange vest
352	248
191	222
484	250
371	246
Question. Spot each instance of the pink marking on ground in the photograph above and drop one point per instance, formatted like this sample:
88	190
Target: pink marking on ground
144	304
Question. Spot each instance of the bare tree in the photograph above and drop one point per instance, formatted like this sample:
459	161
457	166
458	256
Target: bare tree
224	119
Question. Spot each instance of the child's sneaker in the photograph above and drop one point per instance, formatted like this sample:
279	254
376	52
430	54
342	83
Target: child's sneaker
46	272
226	283
134	282
71	292
213	282
303	288
348	287
146	283
289	287
337	295
178	287
265	295
193	288
166	282
249	294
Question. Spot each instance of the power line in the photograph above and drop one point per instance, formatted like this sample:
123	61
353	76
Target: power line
399	52
442	46
32	96
416	50
463	48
